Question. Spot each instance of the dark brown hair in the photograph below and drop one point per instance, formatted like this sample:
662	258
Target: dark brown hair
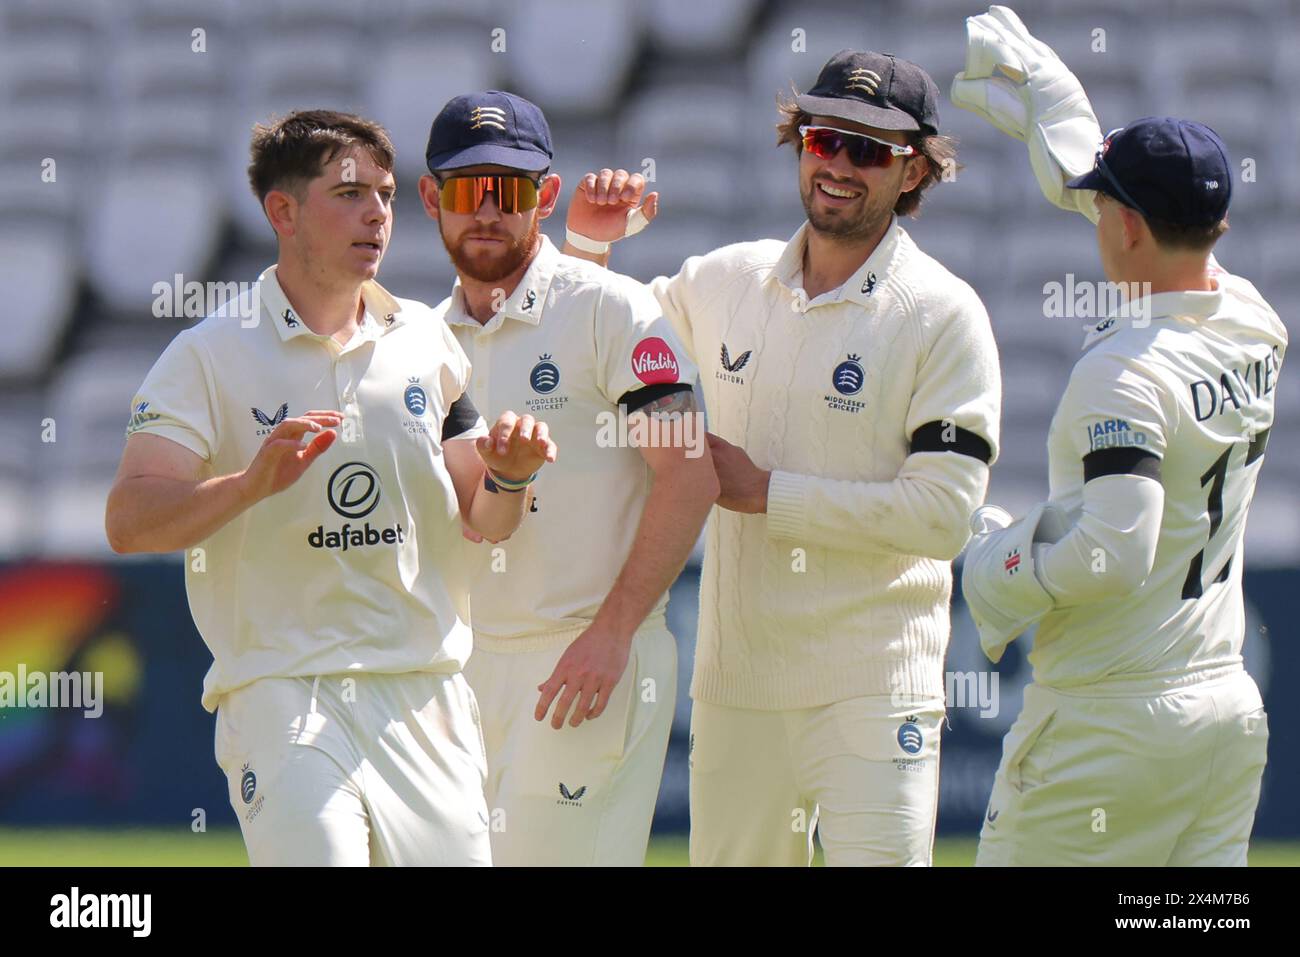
940	151
1175	237
289	152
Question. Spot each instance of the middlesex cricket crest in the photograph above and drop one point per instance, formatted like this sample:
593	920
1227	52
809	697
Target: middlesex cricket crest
848	379
545	380
248	791
416	401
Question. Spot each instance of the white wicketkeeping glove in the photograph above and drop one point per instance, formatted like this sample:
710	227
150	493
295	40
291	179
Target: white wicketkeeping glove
1020	85
998	578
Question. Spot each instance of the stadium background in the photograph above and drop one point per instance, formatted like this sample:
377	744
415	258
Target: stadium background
147	125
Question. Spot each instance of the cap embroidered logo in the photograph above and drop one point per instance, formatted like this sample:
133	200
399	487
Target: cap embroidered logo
488	116
864	80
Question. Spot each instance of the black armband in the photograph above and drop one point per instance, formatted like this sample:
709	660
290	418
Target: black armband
945	437
461	417
1125	461
640	398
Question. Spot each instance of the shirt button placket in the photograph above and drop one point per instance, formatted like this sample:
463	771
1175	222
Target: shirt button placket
478	378
347	395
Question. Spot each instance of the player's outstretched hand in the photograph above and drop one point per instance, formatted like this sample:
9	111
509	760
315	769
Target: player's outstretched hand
588	672
516	446
283	456
604	203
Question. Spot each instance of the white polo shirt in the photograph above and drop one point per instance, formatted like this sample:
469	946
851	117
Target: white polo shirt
1194	388
358	566
569	342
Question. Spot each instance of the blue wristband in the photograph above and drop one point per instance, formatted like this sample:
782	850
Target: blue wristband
493	482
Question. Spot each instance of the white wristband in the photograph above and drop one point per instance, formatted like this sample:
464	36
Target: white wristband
636	222
579	241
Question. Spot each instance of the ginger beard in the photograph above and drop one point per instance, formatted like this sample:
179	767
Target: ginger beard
483	265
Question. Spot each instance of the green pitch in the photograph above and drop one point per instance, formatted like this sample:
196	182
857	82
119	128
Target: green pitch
224	848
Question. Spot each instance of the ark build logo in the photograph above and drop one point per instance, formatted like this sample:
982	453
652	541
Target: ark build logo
1114	434
353	492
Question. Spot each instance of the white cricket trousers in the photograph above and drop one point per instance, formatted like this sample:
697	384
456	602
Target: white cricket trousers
356	769
577	796
864	772
1153	779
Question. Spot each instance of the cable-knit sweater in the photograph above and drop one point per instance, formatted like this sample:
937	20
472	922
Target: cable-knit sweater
876	407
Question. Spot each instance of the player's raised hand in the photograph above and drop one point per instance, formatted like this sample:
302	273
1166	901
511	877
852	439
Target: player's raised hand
587	672
604	204
284	456
516	446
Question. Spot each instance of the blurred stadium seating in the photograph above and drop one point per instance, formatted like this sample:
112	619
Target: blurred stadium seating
124	128
148	139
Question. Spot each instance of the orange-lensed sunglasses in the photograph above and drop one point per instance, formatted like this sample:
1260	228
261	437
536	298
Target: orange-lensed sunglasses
512	193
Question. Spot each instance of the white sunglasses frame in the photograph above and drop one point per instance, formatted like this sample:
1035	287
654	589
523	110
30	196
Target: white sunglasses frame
894	148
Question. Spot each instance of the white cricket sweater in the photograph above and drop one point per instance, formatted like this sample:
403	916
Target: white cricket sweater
842	589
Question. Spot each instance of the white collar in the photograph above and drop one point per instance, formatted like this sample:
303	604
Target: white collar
858	288
528	300
1183	304
382	311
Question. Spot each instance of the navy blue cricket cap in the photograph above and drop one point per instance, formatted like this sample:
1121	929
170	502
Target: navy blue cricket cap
874	89
489	127
1172	170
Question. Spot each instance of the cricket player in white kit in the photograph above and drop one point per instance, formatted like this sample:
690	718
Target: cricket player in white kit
1143	739
571	610
852	383
333	599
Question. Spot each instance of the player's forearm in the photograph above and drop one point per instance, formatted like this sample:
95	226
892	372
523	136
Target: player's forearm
154	514
925	511
1110	550
496	514
675	511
